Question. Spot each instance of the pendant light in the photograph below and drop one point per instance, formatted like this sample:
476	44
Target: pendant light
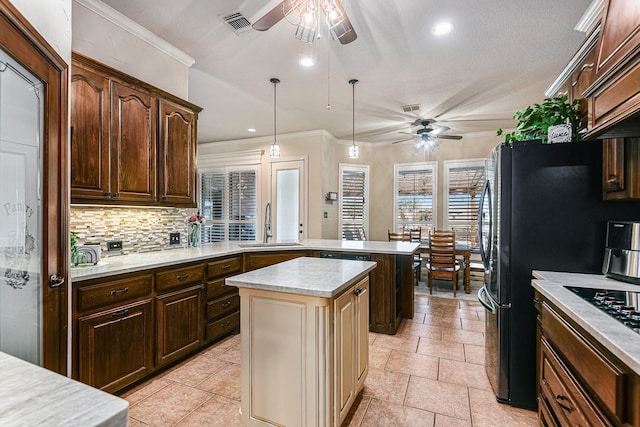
275	148
353	148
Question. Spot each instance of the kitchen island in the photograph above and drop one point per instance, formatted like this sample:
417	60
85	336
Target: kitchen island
305	340
588	362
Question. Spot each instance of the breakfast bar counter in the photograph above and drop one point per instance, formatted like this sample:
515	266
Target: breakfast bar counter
305	340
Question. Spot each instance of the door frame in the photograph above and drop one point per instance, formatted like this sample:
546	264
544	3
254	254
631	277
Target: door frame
21	40
304	191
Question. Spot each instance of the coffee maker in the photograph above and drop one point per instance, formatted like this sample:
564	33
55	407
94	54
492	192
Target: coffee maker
622	252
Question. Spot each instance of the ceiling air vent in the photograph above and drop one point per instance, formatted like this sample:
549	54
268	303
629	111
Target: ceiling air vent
237	21
409	108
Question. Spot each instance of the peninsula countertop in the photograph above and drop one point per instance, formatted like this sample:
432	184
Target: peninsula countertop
140	261
618	338
319	277
33	396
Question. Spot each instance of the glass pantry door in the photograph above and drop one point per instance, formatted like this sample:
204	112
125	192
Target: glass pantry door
21	281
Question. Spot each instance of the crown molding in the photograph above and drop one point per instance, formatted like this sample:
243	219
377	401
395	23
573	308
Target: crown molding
591	17
137	30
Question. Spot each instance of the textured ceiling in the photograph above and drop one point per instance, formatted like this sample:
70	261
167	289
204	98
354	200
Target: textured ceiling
501	57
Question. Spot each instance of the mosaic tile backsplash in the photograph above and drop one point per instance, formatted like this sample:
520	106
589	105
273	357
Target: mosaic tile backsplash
139	229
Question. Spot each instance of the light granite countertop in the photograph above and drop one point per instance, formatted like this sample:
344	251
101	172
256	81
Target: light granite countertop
619	339
321	277
34	396
136	262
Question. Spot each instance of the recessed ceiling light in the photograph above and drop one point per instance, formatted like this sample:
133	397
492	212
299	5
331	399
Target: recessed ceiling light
307	61
251	130
442	28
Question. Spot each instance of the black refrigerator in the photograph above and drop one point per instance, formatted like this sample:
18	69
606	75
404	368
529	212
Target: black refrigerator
541	209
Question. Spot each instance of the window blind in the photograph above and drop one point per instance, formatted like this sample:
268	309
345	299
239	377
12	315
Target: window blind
229	204
464	186
415	195
353	202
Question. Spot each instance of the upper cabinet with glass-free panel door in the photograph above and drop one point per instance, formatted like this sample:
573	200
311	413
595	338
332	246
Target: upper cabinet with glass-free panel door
132	143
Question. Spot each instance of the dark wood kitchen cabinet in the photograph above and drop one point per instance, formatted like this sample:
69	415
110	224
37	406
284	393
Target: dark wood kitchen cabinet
90	134
579	381
223	302
255	260
179	312
621	169
113	331
131	143
177	169
615	93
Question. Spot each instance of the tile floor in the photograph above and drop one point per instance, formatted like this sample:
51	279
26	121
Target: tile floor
429	374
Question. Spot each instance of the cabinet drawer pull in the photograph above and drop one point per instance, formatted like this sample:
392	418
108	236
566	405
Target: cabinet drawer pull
119	291
182	276
120	313
225	304
560	397
226	266
225	324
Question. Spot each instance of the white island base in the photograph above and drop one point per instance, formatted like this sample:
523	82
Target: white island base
305	341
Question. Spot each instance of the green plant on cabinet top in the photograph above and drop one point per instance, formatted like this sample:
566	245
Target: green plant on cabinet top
534	121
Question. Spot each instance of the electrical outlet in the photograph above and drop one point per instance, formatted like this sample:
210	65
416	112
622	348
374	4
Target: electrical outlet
115	245
174	238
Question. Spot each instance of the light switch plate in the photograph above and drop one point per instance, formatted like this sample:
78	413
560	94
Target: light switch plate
115	245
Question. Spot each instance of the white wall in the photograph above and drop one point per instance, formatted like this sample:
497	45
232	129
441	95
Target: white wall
52	19
103	34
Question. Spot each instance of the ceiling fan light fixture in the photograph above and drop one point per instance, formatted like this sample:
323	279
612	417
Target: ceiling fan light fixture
442	28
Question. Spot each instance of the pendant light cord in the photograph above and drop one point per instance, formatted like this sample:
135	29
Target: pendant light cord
353	83
275	82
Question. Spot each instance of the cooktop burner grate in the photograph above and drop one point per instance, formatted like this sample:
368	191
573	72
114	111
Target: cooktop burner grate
624	306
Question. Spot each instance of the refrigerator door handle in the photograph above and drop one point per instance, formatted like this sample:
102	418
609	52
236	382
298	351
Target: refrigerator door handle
486	301
484	252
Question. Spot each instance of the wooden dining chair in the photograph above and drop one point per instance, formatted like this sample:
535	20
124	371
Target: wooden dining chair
442	258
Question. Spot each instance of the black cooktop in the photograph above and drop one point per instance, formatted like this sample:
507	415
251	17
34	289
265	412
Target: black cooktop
624	306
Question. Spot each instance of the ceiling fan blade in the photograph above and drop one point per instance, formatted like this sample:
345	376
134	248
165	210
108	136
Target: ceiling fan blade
272	17
403	140
449	137
439	130
339	23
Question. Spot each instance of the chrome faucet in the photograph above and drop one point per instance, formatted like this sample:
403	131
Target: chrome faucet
267	223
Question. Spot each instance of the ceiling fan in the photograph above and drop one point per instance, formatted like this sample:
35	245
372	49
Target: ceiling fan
303	13
427	135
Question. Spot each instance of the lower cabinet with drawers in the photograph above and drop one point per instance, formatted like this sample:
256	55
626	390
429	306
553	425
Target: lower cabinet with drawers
125	327
223	302
580	382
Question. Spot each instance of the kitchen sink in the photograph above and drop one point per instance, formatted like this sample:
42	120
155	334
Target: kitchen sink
268	245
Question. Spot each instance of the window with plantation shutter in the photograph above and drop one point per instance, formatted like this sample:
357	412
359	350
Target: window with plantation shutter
228	201
353	199
464	180
415	197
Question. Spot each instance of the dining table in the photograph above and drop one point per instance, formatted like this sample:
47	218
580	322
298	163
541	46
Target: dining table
462	248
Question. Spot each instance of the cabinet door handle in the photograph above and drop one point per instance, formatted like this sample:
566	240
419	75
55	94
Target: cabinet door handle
107	195
225	304
560	397
226	266
182	276
120	313
164	198
55	280
613	182
119	291
357	292
225	324
116	195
